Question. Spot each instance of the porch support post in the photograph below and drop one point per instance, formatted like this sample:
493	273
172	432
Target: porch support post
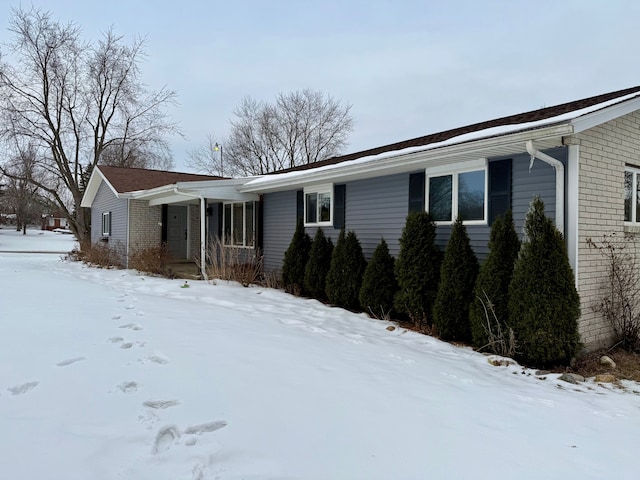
203	238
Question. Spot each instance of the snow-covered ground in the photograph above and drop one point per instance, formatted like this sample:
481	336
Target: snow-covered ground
107	374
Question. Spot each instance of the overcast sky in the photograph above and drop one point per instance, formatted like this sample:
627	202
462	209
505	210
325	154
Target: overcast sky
408	68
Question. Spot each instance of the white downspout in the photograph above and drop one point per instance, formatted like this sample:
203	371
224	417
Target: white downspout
559	167
203	233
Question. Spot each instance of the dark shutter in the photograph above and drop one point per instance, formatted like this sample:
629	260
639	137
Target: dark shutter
339	206
499	188
299	205
110	223
164	220
416	192
259	223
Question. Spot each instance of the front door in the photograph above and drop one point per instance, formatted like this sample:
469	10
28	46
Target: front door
177	230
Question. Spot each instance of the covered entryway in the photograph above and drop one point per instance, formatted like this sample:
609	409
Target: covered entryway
177	230
182	225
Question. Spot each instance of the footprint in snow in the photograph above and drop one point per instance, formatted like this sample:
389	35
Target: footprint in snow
126	345
132	326
205	428
169	435
156	358
64	363
23	388
116	317
128	387
195	431
115	339
165	438
161	404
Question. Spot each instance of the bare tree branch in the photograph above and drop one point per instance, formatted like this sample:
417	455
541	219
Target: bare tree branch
78	104
299	128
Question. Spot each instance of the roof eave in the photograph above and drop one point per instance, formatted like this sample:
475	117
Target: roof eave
408	162
607	114
93	185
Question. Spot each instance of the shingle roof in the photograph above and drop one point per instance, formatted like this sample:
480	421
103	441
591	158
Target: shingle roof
133	179
520	118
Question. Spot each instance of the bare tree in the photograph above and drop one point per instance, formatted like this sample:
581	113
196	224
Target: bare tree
78	104
208	157
299	128
20	193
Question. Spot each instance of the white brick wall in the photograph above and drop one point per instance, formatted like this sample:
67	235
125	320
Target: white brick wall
145	225
604	151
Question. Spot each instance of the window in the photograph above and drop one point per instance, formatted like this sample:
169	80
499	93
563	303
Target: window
106	224
239	224
461	193
631	195
318	205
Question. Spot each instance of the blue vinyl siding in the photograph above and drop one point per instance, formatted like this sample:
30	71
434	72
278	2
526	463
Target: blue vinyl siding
540	181
378	207
279	216
106	201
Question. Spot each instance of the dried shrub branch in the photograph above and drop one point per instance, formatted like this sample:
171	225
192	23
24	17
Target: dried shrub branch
619	300
153	260
499	341
242	265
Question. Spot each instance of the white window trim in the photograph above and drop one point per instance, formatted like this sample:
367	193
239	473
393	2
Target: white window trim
455	170
327	188
244	225
106	226
634	188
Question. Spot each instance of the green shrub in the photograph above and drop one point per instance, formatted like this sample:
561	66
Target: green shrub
493	283
315	273
458	275
379	284
295	260
544	305
417	269
344	278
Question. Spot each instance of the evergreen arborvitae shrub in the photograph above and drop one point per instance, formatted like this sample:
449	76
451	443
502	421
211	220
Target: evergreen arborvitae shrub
458	275
344	278
493	281
295	260
315	273
417	269
379	284
544	305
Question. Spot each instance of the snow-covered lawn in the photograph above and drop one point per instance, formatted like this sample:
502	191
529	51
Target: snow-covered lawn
107	374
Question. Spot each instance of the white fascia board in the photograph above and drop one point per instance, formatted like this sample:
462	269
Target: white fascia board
356	170
223	193
215	183
92	188
172	198
607	114
175	193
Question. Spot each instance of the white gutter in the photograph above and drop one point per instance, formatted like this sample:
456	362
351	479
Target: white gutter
559	167
203	234
398	162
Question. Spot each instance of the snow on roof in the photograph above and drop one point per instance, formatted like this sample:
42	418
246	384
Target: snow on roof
485	133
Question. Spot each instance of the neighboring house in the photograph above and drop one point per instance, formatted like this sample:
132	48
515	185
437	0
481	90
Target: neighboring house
582	158
53	222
